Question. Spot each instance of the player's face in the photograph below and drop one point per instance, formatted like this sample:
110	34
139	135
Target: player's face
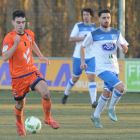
86	17
19	24
105	20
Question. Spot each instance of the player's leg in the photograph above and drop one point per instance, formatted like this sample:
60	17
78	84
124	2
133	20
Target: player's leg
116	95
92	89
39	84
18	110
91	78
76	74
112	80
20	88
102	102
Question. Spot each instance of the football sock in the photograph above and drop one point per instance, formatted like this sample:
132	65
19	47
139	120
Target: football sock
46	108
19	115
69	87
116	95
92	91
101	105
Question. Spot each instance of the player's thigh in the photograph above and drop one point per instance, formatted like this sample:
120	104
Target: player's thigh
110	80
20	87
90	65
38	83
41	87
76	67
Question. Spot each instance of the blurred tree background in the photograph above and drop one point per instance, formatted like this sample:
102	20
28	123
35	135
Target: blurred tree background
53	20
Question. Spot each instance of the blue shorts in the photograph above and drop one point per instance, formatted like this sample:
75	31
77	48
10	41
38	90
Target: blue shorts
110	79
90	66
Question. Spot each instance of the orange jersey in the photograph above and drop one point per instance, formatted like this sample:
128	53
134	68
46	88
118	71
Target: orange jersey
21	61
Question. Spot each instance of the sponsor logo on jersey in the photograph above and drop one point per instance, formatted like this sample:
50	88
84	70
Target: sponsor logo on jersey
108	46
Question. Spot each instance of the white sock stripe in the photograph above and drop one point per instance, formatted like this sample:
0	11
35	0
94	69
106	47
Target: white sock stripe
104	98
92	83
117	93
71	81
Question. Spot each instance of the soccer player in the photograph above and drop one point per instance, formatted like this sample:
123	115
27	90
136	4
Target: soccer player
105	42
17	48
78	35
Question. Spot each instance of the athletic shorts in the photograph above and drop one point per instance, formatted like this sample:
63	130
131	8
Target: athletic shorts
110	80
21	85
90	66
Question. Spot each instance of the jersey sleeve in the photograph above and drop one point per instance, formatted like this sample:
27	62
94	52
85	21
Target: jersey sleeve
75	31
121	40
88	40
7	44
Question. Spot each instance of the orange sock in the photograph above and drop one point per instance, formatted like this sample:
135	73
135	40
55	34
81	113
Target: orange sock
46	108
19	116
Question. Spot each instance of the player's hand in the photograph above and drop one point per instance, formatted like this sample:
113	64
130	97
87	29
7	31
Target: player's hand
124	47
83	66
17	39
45	59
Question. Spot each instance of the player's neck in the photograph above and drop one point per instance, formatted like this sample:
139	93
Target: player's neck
20	33
105	29
87	23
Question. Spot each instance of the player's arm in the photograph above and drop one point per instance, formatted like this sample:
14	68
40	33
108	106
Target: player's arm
124	48
39	54
8	53
122	44
82	55
74	35
86	43
76	39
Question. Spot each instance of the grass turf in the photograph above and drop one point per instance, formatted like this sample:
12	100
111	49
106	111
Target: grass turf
74	118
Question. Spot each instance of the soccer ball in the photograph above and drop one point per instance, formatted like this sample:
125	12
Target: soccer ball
32	124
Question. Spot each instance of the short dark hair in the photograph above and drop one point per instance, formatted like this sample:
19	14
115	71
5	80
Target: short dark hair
103	11
18	13
87	10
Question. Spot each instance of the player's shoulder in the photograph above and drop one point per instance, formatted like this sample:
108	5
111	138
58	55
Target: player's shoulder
93	24
10	35
30	32
78	24
96	31
114	31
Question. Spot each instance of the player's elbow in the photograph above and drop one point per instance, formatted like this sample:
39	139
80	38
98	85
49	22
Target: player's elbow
70	39
4	58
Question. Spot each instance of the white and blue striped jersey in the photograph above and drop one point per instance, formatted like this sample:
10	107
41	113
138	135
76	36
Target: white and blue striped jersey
105	45
81	30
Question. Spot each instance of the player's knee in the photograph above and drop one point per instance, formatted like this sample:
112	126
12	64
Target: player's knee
121	88
45	94
75	79
20	105
106	93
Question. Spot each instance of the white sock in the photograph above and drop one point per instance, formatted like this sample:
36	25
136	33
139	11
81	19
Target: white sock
92	91
69	87
101	105
116	95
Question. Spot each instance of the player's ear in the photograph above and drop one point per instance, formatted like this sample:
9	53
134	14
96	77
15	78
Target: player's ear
99	20
12	22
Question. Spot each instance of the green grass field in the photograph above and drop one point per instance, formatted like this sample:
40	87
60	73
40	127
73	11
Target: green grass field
74	118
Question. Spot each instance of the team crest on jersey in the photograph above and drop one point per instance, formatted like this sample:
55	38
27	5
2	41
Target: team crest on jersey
114	37
108	46
5	48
